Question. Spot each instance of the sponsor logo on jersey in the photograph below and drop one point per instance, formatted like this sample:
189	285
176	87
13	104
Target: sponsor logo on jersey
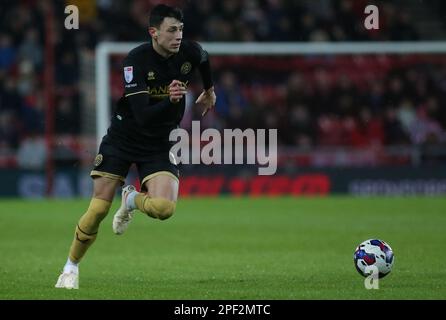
162	91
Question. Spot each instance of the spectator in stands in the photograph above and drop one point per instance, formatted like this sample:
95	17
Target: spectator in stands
9	131
301	127
425	130
7	52
402	28
31	49
67	71
394	133
32	153
406	113
229	94
67	115
32	113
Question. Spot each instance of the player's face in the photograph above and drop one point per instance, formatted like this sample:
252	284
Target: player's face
170	35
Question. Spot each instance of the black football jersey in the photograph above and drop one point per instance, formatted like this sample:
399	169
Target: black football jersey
145	72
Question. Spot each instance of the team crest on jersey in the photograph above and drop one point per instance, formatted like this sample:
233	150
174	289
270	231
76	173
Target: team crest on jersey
186	68
98	160
128	74
151	75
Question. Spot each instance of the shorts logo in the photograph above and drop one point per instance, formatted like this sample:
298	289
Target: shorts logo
128	74
186	68
151	75
98	160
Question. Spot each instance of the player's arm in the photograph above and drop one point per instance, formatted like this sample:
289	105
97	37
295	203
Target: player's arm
135	90
207	97
145	113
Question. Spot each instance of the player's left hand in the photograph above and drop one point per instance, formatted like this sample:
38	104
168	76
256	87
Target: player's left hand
208	98
177	90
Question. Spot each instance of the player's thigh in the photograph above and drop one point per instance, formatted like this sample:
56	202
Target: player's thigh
162	186
159	176
105	188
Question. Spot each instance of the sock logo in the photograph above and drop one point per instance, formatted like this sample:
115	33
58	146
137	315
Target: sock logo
78	239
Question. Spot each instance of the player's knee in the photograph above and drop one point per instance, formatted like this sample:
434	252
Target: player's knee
96	212
99	208
163	208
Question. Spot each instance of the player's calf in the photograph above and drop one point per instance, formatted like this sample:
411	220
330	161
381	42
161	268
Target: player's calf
87	228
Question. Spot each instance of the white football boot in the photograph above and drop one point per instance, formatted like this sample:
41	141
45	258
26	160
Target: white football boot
69	280
124	215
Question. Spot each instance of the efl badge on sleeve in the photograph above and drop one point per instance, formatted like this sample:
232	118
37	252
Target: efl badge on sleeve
128	74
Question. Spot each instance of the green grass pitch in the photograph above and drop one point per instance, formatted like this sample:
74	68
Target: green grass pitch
228	248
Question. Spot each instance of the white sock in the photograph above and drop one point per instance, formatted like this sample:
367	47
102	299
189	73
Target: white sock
130	201
71	266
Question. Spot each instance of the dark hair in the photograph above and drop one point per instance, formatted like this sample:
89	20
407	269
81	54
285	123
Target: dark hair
161	11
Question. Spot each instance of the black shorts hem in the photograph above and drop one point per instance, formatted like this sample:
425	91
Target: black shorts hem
95	174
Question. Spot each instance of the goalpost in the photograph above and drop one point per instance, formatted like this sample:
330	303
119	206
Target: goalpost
105	49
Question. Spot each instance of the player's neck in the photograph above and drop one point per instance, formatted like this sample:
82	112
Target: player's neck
158	49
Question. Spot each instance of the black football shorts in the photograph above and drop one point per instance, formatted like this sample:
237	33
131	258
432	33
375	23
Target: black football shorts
112	163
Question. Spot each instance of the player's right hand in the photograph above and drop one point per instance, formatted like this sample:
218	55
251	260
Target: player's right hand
176	91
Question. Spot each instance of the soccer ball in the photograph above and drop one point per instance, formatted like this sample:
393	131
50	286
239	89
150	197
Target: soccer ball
373	252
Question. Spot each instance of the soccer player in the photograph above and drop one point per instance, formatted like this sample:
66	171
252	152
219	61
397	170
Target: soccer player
155	77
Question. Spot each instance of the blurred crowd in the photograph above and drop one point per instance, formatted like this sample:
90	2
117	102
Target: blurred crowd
350	100
310	104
